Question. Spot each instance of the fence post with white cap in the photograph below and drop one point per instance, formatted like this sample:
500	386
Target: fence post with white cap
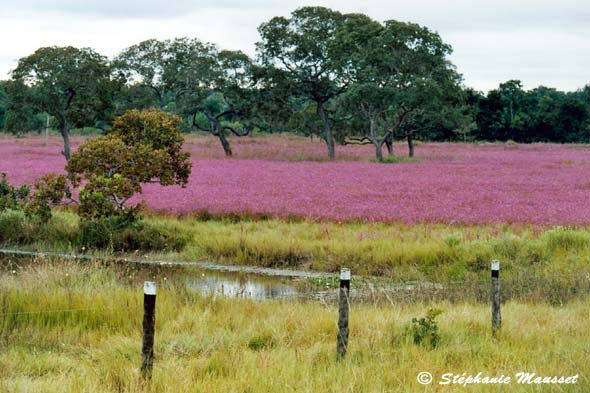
149	320
496	314
343	310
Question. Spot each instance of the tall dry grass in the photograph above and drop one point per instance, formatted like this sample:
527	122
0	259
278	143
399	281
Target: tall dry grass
206	344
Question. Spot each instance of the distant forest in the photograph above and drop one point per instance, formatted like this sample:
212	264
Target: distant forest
344	77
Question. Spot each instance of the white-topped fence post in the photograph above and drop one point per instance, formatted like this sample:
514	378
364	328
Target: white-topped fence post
149	321
496	314
343	310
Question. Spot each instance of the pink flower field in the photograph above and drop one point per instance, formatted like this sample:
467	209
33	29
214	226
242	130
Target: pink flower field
288	176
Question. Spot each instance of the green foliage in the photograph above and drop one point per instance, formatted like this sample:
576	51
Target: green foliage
538	115
118	234
16	228
20	115
142	147
50	190
13	227
157	135
12	197
425	330
72	85
307	48
211	87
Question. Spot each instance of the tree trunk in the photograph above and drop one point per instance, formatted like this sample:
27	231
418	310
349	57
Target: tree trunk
379	151
224	143
389	145
378	145
328	131
65	134
410	145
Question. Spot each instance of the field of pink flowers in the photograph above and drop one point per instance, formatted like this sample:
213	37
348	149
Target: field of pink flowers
287	176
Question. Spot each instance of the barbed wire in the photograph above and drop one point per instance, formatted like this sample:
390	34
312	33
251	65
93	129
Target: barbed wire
63	310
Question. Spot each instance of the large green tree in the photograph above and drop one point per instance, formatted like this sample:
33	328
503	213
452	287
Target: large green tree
72	85
218	95
404	85
163	69
306	46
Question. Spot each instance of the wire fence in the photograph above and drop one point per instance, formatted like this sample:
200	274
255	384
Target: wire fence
552	288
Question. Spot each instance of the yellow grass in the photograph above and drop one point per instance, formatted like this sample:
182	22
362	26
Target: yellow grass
222	345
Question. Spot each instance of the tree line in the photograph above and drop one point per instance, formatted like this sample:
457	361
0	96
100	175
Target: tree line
345	78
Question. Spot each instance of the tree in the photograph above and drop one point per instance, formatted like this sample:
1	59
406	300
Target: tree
2	104
573	120
217	93
142	147
72	85
208	86
20	116
162	67
306	47
542	114
403	83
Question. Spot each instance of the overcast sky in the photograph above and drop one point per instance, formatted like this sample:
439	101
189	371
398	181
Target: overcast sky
537	41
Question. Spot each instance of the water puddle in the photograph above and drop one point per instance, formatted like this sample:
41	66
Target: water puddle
242	287
262	284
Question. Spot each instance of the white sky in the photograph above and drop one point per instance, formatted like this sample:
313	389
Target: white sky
537	41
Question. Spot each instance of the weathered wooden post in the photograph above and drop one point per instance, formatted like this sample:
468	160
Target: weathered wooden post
343	309
149	320
496	314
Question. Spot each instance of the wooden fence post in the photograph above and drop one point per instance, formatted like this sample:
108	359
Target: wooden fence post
149	320
496	314
343	310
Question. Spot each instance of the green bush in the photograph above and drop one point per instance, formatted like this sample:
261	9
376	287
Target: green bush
16	228
13	227
12	197
425	330
111	233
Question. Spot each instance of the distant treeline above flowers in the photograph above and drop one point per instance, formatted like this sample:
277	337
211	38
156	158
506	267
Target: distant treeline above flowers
343	77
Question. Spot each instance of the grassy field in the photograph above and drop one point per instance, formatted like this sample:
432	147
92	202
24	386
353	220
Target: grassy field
396	251
222	345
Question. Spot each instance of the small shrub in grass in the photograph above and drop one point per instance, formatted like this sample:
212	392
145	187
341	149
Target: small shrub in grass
13	227
262	341
425	330
118	235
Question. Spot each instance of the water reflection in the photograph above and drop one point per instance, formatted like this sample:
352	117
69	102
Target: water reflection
241	287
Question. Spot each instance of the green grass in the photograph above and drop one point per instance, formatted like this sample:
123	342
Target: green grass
221	345
399	252
393	159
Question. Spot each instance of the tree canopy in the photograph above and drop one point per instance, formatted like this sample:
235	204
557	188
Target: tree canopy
307	47
72	85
